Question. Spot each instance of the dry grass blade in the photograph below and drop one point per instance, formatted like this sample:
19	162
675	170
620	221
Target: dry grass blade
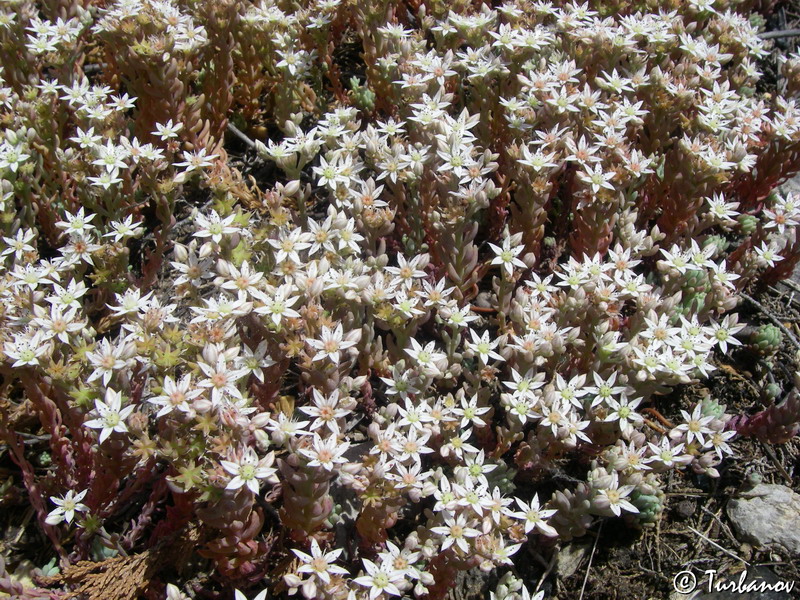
718	547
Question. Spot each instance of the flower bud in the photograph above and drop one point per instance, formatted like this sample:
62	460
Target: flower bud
206	250
291	188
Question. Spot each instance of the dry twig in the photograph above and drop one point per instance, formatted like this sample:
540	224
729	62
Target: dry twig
718	547
664	420
547	571
655	427
591	558
784	33
241	135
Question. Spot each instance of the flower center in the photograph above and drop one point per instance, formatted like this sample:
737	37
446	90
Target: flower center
247	472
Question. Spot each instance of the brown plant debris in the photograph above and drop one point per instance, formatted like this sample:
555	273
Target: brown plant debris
123	577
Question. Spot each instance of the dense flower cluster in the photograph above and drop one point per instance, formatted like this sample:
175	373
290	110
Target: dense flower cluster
492	255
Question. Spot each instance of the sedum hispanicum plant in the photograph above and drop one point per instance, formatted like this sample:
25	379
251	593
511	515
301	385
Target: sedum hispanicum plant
485	261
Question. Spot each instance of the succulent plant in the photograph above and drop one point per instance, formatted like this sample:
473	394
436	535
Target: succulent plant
748	224
650	506
712	408
465	251
766	340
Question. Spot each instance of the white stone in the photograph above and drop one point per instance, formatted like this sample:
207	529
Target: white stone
570	558
768	515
